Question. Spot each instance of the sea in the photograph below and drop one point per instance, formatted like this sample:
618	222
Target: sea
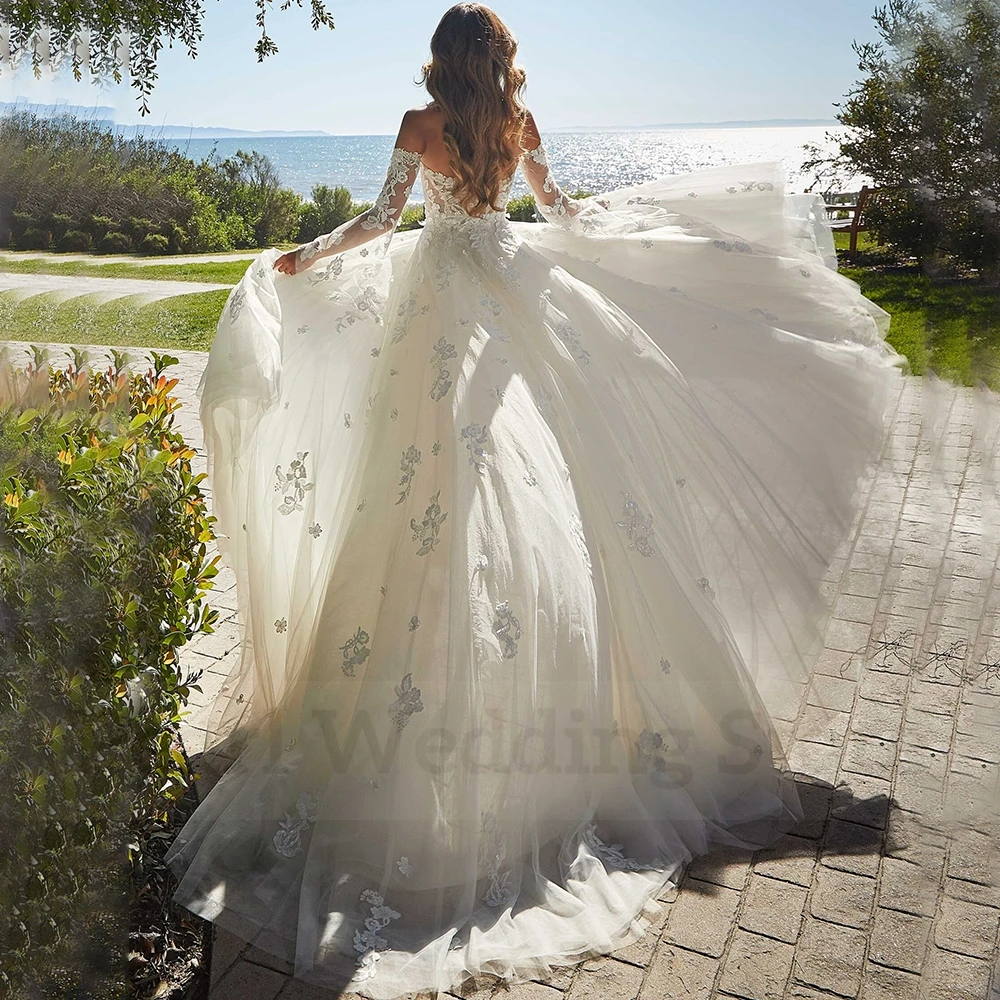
588	160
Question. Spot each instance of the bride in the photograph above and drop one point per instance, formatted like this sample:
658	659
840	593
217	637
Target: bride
529	524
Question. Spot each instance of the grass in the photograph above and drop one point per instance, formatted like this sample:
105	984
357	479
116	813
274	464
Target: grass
183	322
220	272
949	327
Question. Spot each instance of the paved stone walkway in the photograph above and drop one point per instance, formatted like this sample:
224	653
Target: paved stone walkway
880	893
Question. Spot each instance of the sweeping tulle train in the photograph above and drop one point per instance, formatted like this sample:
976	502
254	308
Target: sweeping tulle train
529	524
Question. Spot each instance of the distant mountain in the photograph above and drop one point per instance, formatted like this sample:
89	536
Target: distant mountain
104	117
756	123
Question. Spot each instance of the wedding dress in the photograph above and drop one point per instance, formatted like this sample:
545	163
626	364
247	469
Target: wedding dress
529	523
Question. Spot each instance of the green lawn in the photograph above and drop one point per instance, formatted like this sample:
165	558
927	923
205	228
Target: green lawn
952	328
949	327
221	272
184	322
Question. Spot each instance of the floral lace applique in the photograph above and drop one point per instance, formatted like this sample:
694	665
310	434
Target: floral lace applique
288	840
369	942
408	464
427	531
406	704
507	629
291	484
639	529
379	216
474	435
649	744
493	855
443	351
236	302
355	651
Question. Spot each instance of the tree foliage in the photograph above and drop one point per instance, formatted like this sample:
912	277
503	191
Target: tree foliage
925	124
106	36
104	565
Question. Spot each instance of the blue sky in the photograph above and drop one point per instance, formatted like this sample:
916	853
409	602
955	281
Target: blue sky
630	62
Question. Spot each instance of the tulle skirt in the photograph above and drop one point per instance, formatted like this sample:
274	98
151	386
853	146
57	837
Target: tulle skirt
529	526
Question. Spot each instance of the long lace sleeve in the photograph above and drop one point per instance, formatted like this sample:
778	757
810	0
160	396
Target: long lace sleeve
553	205
381	218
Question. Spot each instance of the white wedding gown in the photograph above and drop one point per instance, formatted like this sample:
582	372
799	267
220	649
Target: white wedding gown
529	523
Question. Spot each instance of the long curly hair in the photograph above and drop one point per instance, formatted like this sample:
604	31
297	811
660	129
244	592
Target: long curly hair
472	79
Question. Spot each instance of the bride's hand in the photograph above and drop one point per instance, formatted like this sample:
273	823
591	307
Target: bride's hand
288	263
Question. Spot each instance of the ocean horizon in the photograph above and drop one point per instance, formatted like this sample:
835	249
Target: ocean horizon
596	161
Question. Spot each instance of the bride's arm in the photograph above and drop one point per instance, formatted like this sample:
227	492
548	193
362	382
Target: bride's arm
382	217
553	204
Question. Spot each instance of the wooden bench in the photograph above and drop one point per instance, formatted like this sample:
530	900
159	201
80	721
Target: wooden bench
855	223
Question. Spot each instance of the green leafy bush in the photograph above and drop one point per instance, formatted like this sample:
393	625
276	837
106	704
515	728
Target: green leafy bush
329	208
154	243
522	209
114	242
75	239
412	218
35	239
103	568
924	124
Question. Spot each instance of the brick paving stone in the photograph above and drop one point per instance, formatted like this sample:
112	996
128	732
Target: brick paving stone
862	799
878	685
851	847
867	755
248	982
641	951
756	968
791	859
773	908
931	731
605	979
677	974
477	988
226	949
830	957
927	697
832	692
972	892
823	725
728	867
863	584
260	957
974	857
878	719
842	897
966	928
955	977
700	921
881	983
908	887
899	940
531	991
817	760
815	799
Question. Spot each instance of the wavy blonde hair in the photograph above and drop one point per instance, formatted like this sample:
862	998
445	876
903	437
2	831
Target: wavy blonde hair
473	80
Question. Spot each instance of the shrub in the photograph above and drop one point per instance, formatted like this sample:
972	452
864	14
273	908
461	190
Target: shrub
154	243
114	242
75	239
925	125
329	208
412	217
35	239
522	209
103	569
